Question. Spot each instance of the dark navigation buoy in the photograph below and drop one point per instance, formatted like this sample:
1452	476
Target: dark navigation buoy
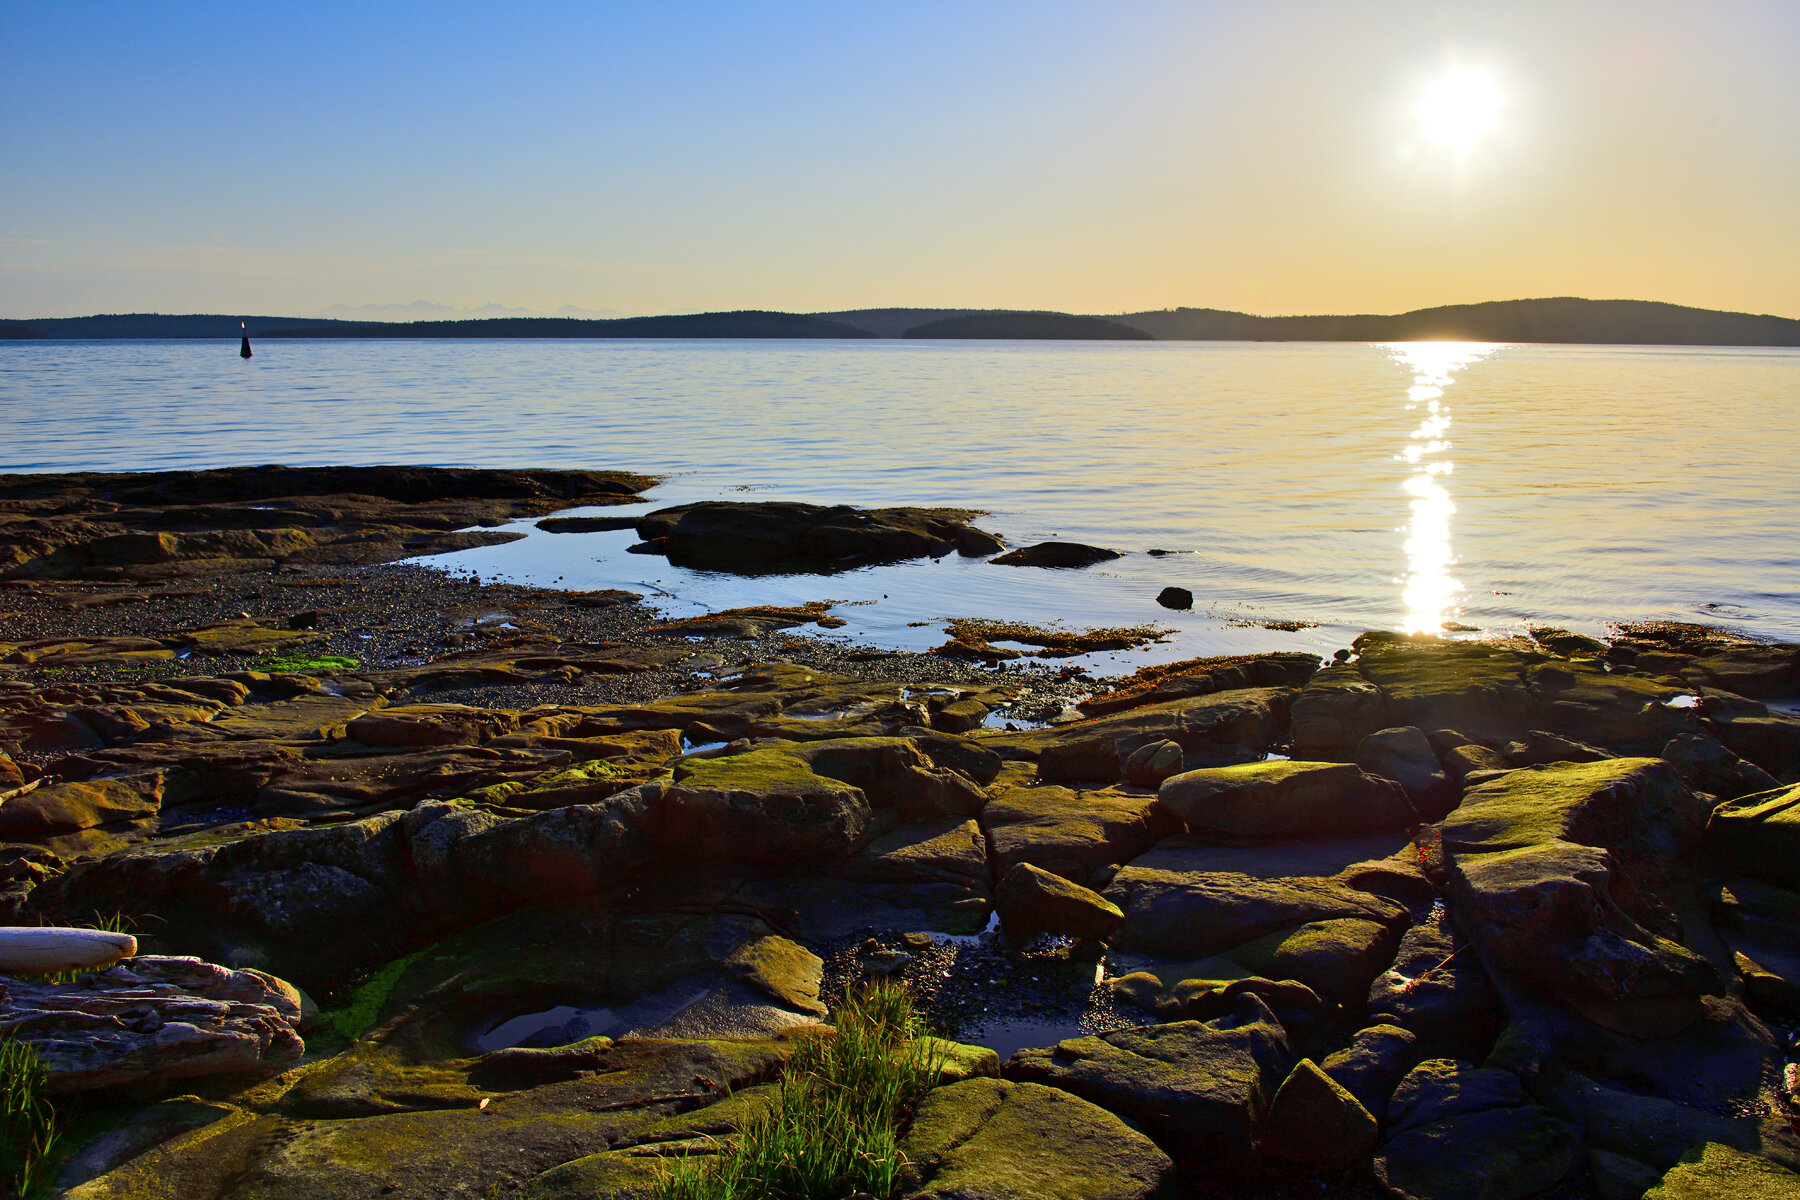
244	352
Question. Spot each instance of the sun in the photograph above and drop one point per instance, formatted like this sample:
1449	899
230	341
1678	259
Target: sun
1459	107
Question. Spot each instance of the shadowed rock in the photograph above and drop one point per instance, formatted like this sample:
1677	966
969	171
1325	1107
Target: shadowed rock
773	537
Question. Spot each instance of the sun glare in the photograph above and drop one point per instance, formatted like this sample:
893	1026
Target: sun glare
1459	107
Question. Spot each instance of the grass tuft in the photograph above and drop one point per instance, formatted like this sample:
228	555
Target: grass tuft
833	1129
27	1121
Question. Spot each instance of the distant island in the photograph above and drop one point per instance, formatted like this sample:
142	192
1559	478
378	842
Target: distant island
1560	319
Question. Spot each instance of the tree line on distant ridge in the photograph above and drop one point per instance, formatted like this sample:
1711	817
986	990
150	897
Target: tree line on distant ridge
1561	319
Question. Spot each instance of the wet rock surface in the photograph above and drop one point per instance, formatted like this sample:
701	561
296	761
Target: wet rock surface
1510	919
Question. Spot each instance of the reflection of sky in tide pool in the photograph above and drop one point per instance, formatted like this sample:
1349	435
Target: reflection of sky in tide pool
1292	481
897	606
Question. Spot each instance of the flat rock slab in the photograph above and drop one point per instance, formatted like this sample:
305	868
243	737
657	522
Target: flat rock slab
1002	1140
1194	914
1067	830
1286	799
153	1022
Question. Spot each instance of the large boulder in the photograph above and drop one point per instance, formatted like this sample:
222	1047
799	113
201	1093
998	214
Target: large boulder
1645	1129
1710	767
1002	1140
1437	990
1404	755
1185	901
1335	711
1337	958
1549	913
1073	833
1201	1090
283	900
1555	876
765	806
1771	740
1457	1132
765	537
1221	727
1032	901
1283	799
67	807
1477	687
1193	914
1583	700
1315	1122
1759	834
894	773
1373	1064
560	854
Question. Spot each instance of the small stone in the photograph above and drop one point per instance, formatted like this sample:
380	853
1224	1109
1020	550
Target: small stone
1175	597
1149	765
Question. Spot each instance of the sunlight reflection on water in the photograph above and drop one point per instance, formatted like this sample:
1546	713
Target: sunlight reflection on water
1428	590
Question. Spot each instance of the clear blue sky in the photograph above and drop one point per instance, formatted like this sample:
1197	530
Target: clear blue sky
680	157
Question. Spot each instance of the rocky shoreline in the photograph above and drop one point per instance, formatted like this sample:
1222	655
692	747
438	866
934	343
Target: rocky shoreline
451	888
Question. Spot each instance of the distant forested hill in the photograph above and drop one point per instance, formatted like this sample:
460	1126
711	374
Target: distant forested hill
894	322
1562	319
748	324
1047	326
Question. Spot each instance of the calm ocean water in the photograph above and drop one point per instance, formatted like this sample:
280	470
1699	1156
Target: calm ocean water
1356	486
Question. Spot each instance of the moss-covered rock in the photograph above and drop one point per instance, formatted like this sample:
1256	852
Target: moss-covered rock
1759	835
1193	914
1020	1141
1338	959
1201	1090
1456	1132
1284	799
1713	1170
1031	901
764	806
1314	1121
